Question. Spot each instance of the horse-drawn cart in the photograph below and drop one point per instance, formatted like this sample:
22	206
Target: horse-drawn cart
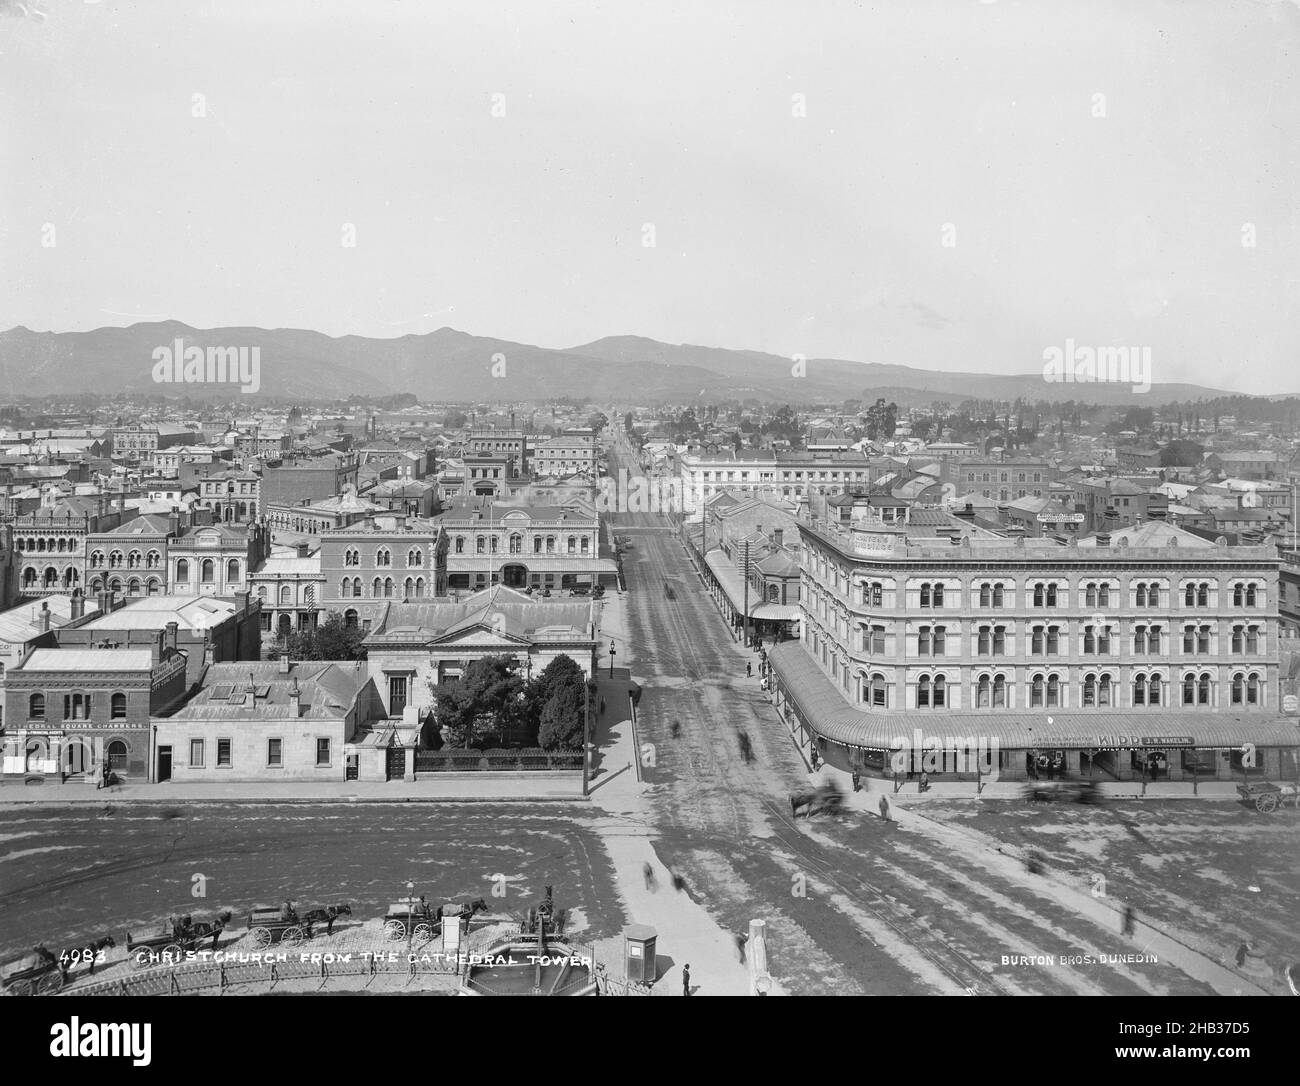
37	973
1267	797
412	918
285	925
177	936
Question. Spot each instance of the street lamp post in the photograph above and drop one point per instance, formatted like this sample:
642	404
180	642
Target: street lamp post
410	917
611	659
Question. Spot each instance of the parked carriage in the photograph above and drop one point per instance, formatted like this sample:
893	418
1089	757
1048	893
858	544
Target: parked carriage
178	936
412	918
37	973
1267	797
826	799
285	925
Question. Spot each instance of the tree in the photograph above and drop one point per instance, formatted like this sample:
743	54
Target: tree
597	422
561	724
1181	452
454	420
484	701
333	639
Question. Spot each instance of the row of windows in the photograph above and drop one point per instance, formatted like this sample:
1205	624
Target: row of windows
76	707
132	559
286	594
384	557
1046	640
380	589
987	477
207	571
132	587
1047	691
491	544
59	544
1092	594
274	752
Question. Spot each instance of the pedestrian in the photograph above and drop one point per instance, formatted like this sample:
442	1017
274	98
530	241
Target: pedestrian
679	883
686	980
648	873
741	940
884	808
749	670
925	782
813	758
602	706
857	781
1130	917
677	729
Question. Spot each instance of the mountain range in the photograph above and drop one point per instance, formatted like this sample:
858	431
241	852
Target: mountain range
449	365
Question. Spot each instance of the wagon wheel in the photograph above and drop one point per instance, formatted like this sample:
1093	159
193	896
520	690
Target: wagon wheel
291	936
50	983
262	937
423	933
1267	803
23	987
395	929
173	954
140	957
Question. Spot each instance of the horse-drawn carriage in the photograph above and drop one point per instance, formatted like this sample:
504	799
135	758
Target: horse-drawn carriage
1267	797
177	936
421	921
825	799
37	973
285	925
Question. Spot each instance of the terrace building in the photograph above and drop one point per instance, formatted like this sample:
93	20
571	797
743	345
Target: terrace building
771	474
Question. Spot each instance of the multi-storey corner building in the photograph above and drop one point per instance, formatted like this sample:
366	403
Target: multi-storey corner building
564	456
50	542
234	496
215	560
1150	648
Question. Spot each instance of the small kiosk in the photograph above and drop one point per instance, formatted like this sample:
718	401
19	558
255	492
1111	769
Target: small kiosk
639	953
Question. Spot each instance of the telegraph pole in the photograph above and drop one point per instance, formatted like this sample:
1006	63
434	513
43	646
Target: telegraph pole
746	571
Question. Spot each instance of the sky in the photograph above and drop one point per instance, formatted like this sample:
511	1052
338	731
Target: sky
950	184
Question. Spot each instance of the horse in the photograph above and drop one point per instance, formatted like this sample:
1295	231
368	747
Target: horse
86	952
327	915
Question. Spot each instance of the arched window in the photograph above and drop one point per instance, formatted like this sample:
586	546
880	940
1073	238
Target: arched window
117	756
356	587
153	587
573	544
480	545
1189	596
115	585
415	558
134	560
232	572
923	692
1037	689
1053	690
96	559
1238	688
419	587
1252	595
983	692
350	618
207	571
384	557
585	545
117	707
286	595
1104	690
345	588
537	544
133	587
352	558
550	544
460	544
1189	689
492	544
408	588
516	543
1203	690
182	571
876	691
1139	689
36	707
1254	689
377	589
152	560
1238	595
1203	595
999	691
388	588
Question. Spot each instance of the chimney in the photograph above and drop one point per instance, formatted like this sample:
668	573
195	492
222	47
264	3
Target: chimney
295	701
1103	539
778	537
285	664
45	618
170	642
78	604
303	549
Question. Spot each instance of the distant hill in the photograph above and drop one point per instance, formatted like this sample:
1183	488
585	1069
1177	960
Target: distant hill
452	365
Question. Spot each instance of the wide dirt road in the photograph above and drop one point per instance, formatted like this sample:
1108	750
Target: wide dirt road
858	906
